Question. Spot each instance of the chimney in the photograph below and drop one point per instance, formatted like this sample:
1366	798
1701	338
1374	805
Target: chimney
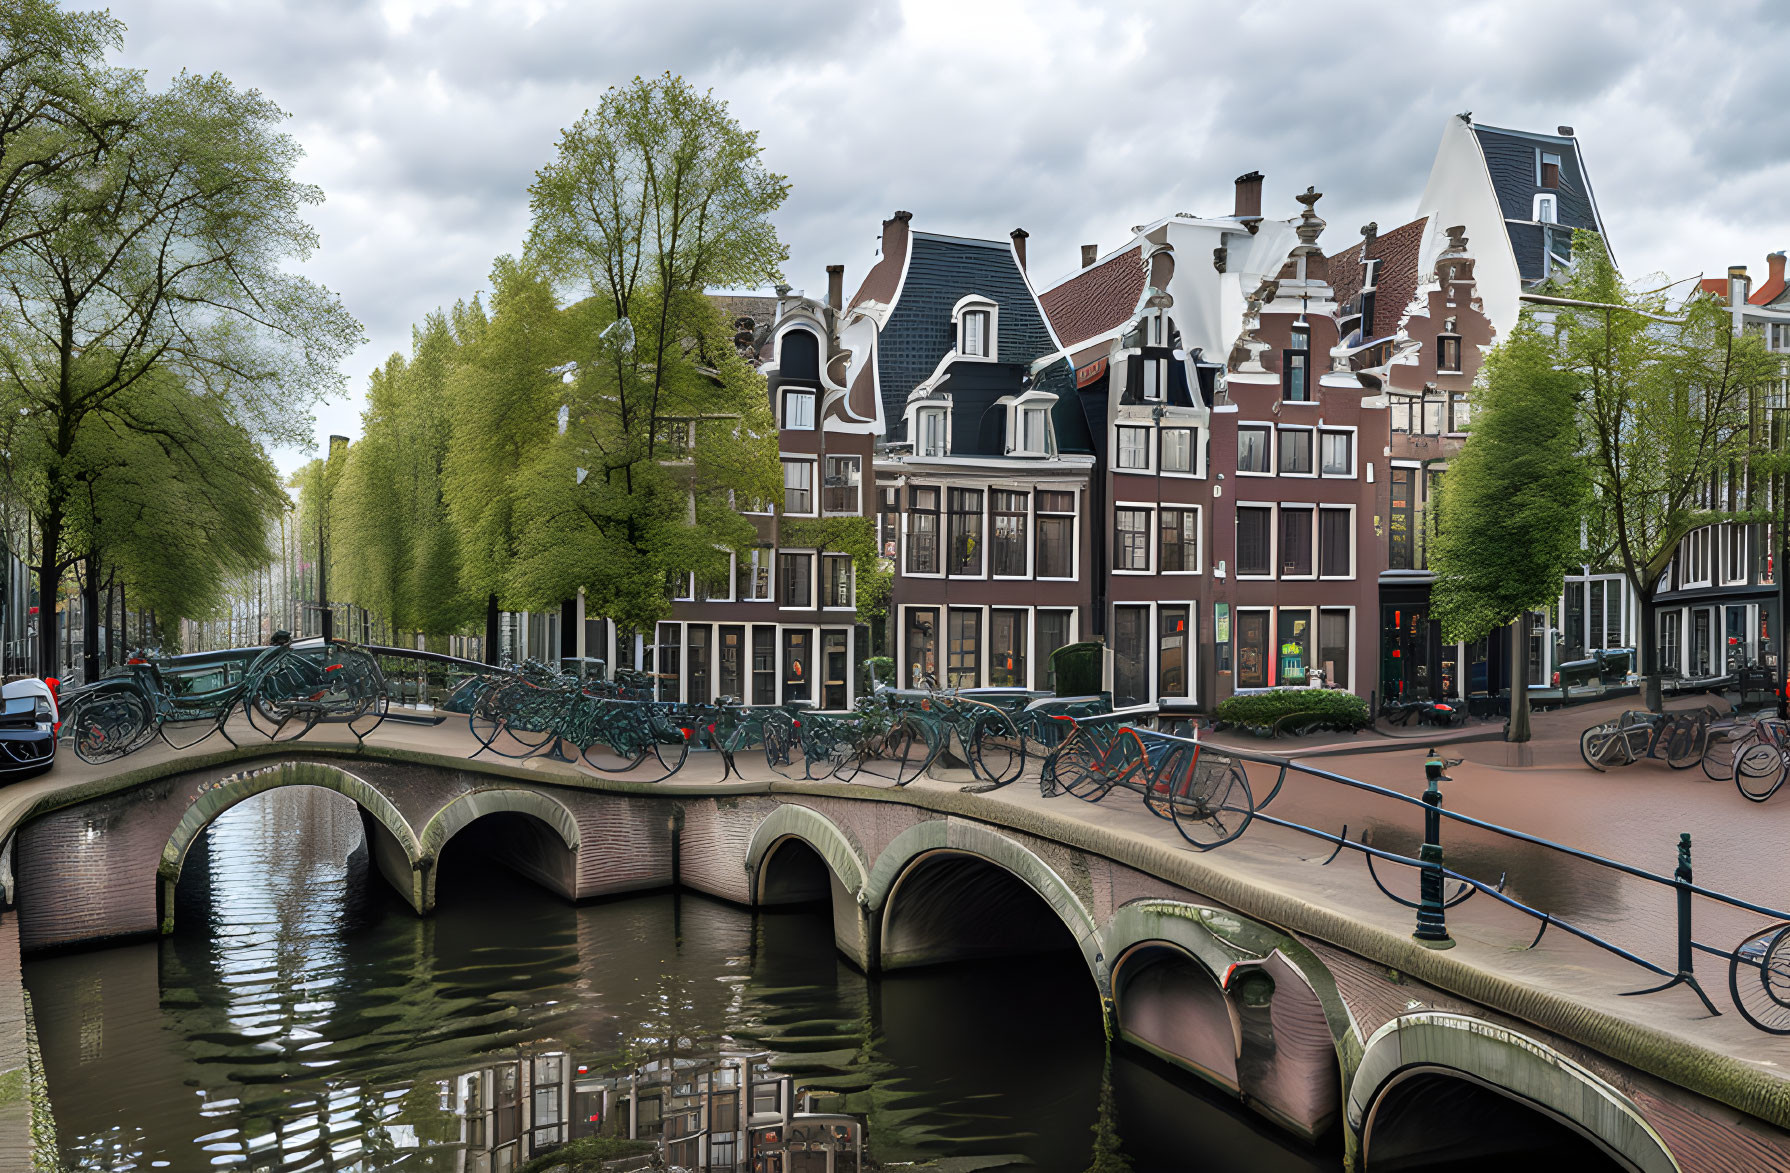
1089	254
1774	266
1019	246
1249	196
1565	131
1369	231
836	287
1740	286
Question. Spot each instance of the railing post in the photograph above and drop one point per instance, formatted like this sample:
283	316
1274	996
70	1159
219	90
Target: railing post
1432	913
1683	877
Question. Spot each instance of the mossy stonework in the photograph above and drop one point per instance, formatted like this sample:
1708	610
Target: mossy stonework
1283	1004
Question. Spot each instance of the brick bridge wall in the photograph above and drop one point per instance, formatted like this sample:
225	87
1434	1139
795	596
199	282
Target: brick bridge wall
1300	1029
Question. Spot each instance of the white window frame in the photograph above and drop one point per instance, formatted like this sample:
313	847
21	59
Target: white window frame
813	586
1148	509
1317	537
733	583
788	460
813	397
1304	507
1545	201
851	582
1734	535
1272	452
1028	538
942	410
1351	433
941	527
1273	542
1074	517
1312	449
1196	450
1153	379
1199	530
770	577
858	462
976	302
1119	434
1542	158
1041	402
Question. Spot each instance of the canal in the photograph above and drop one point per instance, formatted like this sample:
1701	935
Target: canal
302	1018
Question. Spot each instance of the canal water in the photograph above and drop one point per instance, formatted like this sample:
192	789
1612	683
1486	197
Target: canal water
301	1017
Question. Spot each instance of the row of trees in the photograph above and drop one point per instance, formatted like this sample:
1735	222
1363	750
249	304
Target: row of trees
1601	427
153	336
593	425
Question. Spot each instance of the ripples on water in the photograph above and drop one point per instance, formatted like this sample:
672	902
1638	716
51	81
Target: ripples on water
301	1018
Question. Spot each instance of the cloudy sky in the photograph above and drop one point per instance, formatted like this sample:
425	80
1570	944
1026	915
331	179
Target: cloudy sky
425	119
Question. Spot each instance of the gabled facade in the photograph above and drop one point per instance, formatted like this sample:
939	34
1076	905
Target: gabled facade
982	469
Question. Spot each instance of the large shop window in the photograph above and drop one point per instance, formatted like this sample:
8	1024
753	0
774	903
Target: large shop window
1056	535
839	492
1254	539
1293	645
1334	559
923	531
1174	646
796	667
1007	648
1053	633
794	575
696	641
729	680
1009	533
966	532
1333	646
764	665
1180	540
963	651
1252	649
922	647
1131	656
1295	542
1131	539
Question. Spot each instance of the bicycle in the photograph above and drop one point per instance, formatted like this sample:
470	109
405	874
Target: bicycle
1682	736
1757	760
1203	792
990	738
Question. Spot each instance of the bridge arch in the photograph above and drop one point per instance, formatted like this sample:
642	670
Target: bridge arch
947	889
398	854
1512	1083
546	823
808	826
1238	1003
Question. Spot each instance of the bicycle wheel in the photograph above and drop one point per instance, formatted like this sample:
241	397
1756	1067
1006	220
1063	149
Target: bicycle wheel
1214	805
1684	747
1600	745
909	747
1759	978
776	747
1079	766
1758	769
997	754
1718	757
108	726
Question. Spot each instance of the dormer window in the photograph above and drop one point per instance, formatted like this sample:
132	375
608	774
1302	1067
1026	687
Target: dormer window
975	334
1547	169
978	321
1028	423
932	428
1545	209
1034	430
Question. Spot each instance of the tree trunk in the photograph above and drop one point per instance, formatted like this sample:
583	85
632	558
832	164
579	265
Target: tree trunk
1647	657
491	629
49	658
1518	729
90	621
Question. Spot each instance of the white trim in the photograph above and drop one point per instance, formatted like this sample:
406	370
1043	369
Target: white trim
1310	432
980	303
809	459
1318	538
1354	451
1148	508
1272	451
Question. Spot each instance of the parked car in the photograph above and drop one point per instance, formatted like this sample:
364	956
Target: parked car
29	720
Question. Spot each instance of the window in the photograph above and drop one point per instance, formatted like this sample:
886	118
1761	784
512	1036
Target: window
1370	273
696	640
1254	538
1131	539
670	638
1007	648
1295	542
764	665
1134	448
1295	451
1448	353
963	649
922	648
1009	537
1252	649
796	677
934	437
1177	449
1155	379
1053	633
1460	412
1180	540
1544	209
839	492
798	410
1131	656
728	680
1734	553
753	581
1547	169
1334	546
794	588
1173	642
1293	646
966	532
975	341
1432	413
888	522
923	531
1336	457
798	486
1056	535
1034	431
835	581
1333	646
1252	449
1295	384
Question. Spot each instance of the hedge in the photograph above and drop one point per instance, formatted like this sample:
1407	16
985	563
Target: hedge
1080	668
1337	709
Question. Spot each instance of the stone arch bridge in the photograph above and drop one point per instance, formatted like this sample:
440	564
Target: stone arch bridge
1310	1023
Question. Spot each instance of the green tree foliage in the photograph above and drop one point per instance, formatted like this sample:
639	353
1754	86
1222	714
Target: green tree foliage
653	198
168	251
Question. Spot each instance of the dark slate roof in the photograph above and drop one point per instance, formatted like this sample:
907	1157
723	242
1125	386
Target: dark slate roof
1510	160
941	271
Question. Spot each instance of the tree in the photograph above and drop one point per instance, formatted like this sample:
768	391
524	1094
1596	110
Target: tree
167	251
1666	403
1511	505
653	198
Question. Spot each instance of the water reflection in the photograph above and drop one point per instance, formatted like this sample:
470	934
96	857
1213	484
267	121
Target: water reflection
301	1018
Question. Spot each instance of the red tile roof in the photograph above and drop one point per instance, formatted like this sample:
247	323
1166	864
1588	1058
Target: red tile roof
1096	299
1397	252
1716	287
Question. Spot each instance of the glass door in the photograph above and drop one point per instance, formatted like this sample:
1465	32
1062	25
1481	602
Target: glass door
1252	649
836	663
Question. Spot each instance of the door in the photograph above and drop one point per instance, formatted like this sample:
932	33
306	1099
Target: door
1702	622
836	663
1252	649
1734	640
797	683
729	681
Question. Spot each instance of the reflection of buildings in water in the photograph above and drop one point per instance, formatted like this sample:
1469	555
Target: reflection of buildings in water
514	1111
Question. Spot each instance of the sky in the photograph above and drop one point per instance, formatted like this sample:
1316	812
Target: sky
424	120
